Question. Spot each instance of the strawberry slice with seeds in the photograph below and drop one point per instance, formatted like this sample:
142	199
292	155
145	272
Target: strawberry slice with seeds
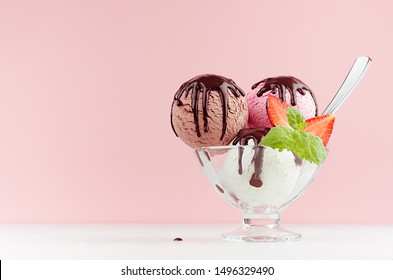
277	111
321	126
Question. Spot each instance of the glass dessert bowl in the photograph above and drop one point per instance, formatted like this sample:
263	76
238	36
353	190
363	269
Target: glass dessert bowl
259	181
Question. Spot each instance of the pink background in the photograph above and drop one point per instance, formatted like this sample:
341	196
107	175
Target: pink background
86	89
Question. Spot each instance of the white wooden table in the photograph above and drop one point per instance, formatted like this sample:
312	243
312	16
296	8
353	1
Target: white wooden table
200	241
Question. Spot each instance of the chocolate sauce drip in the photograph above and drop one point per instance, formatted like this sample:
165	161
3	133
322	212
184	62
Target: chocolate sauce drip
298	160
204	85
255	181
246	134
207	156
279	84
219	189
199	158
239	160
242	138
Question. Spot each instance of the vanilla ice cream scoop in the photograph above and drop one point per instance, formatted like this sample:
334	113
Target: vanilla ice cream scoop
269	182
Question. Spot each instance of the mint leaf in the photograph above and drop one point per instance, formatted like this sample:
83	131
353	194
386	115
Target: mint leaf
302	143
295	118
280	138
309	147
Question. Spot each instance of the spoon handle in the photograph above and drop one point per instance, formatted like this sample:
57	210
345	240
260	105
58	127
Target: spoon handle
351	81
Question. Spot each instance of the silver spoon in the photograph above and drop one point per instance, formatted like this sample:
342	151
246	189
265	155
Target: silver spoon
351	81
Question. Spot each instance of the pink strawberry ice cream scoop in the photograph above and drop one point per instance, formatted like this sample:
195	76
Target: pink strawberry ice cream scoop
208	110
289	89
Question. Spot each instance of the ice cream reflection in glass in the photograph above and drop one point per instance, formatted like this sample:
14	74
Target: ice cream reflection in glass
259	181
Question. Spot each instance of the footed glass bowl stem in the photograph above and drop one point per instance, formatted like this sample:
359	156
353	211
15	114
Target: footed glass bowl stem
258	222
261	227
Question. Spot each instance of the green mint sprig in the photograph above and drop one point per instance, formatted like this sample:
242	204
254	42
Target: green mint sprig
296	139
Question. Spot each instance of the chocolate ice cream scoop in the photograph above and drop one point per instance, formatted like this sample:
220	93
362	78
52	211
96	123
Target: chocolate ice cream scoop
208	110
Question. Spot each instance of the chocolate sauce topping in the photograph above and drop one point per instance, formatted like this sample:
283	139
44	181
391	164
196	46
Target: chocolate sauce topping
255	181
279	84
199	158
242	138
204	85
298	160
246	134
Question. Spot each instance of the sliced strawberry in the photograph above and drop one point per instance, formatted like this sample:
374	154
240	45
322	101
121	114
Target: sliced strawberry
277	111
321	126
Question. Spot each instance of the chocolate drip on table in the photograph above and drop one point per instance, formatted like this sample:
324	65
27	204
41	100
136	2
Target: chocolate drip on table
256	135
279	84
204	85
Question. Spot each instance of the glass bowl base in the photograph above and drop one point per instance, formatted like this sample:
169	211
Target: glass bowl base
267	234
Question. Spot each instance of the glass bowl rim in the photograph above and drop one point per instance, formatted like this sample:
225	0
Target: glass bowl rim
236	146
